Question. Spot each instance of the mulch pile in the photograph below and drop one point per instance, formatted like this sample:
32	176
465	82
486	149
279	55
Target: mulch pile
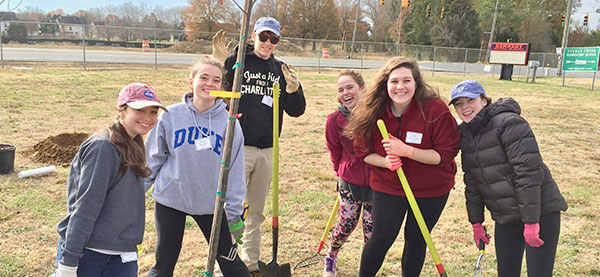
59	149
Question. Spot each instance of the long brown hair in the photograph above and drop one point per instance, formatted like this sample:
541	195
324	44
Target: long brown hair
373	102
133	151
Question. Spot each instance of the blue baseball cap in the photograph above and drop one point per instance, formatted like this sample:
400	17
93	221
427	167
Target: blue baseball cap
267	24
466	88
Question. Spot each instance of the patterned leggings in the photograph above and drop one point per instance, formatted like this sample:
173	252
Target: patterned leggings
350	211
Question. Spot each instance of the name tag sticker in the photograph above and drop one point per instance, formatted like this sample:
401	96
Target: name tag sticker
268	100
129	257
414	137
202	144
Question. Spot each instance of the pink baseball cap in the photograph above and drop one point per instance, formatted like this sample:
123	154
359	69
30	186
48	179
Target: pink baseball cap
139	96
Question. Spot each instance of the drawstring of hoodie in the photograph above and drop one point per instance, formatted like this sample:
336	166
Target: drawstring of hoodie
193	111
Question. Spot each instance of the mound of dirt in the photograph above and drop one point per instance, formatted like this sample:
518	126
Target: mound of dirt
193	47
288	47
59	149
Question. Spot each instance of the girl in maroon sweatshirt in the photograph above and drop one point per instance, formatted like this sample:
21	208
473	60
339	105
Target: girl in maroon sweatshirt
353	173
423	140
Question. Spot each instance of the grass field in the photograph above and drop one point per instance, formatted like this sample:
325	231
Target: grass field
47	101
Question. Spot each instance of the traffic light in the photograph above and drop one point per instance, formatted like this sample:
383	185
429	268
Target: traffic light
442	12
585	20
562	20
404	3
428	11
380	2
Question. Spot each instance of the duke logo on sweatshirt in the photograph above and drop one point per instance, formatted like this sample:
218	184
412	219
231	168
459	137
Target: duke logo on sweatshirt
190	134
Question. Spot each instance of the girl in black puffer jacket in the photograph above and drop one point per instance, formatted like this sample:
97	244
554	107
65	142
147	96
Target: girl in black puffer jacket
504	171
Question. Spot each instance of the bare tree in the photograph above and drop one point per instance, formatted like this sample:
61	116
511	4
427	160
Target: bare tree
346	12
29	10
316	19
381	19
203	15
108	31
86	16
131	14
171	16
31	14
98	13
265	8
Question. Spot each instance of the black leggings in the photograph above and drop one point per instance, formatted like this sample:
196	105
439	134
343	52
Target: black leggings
510	245
388	213
170	225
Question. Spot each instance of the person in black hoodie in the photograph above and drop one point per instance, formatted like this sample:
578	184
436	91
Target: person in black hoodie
504	171
261	70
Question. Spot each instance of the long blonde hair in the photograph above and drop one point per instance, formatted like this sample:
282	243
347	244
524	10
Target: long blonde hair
373	102
133	151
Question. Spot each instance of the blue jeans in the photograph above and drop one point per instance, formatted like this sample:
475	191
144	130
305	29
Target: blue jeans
94	264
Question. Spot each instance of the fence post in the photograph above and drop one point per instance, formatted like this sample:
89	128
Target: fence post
1	51
362	58
543	59
433	65
83	46
320	53
465	68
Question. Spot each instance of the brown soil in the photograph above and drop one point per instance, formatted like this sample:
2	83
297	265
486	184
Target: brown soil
194	47
59	149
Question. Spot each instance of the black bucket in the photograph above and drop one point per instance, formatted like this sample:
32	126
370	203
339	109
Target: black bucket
7	158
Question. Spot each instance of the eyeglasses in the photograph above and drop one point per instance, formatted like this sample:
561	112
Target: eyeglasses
264	36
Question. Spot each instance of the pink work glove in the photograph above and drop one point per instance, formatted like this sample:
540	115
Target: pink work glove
531	233
394	146
393	162
479	234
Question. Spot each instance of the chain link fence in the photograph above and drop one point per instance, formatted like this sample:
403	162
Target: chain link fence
82	43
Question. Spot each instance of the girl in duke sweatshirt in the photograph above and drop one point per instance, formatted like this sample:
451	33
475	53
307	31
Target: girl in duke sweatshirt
184	152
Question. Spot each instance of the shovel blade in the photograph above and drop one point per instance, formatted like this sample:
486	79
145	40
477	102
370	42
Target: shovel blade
274	270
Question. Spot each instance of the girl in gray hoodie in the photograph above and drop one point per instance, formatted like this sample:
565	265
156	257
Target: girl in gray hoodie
105	193
184	152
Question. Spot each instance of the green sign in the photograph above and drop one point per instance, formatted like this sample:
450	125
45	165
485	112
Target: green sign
581	59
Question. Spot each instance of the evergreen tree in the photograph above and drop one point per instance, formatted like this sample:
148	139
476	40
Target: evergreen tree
459	27
416	26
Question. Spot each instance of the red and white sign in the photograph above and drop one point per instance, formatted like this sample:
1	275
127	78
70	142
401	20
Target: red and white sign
509	53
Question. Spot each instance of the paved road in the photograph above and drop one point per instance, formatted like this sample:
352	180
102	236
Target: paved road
131	57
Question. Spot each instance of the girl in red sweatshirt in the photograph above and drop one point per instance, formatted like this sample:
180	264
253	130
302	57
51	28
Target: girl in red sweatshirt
423	139
353	173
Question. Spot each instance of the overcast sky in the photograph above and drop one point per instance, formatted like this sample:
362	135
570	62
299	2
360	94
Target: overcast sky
587	7
71	6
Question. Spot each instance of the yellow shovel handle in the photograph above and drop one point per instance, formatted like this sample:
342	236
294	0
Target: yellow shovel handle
414	206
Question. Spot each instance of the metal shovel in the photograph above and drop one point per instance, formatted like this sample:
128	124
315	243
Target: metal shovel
273	269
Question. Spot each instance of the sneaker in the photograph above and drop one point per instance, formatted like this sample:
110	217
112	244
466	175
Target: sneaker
330	264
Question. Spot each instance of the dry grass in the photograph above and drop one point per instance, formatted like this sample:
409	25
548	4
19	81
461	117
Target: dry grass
43	102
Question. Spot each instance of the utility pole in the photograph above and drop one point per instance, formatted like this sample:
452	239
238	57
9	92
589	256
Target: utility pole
565	39
400	19
354	32
492	33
